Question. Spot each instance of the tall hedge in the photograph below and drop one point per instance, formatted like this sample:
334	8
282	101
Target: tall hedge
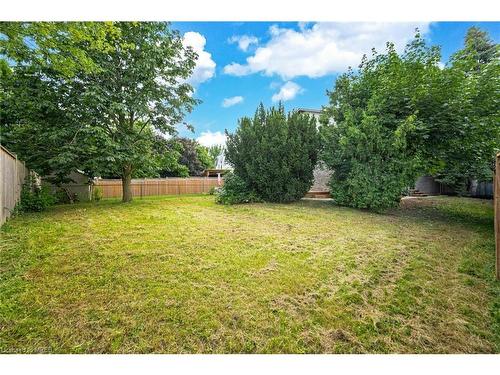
275	153
403	115
375	124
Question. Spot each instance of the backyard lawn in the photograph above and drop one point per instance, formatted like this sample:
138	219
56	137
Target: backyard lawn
184	275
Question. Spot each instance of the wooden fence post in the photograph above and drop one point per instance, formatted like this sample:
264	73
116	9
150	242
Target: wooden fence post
497	214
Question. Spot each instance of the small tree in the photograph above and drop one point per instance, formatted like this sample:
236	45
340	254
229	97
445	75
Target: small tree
193	155
275	153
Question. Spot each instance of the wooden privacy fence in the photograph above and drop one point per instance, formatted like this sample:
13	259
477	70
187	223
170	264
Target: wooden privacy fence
12	174
159	186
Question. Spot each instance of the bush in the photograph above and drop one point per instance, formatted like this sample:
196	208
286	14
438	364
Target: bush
34	198
96	193
235	191
274	154
371	128
371	168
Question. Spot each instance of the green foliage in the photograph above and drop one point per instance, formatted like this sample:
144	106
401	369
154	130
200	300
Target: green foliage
34	198
204	157
64	47
178	157
194	156
369	124
235	191
64	196
96	193
402	116
92	95
167	153
469	135
370	169
40	106
275	153
478	50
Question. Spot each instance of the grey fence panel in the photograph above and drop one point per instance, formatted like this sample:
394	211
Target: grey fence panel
12	175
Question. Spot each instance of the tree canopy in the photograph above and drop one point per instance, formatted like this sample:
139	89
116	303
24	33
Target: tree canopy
194	156
470	135
102	112
403	115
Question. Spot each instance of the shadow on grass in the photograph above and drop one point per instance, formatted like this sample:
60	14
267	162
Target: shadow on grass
470	212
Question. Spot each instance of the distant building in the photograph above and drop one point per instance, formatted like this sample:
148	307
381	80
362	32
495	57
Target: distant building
78	188
221	167
321	173
313	112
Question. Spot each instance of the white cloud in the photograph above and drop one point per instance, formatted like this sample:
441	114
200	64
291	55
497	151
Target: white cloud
235	69
323	48
209	138
205	66
244	41
228	102
287	92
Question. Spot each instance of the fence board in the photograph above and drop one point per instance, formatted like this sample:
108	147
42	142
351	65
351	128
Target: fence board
159	186
12	175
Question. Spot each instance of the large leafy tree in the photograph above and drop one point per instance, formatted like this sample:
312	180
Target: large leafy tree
400	116
40	114
470	86
373	127
275	153
133	84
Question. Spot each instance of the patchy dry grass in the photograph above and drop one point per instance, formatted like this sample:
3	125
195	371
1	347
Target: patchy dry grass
184	275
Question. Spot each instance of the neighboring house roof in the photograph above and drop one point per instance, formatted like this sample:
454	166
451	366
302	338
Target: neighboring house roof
315	111
214	172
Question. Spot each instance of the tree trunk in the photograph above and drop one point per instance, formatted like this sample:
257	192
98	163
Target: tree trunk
127	184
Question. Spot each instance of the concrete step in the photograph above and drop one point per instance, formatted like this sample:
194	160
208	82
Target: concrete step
416	193
317	194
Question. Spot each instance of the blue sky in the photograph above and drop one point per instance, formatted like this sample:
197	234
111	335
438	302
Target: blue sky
243	63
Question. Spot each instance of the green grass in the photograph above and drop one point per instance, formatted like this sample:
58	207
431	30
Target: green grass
184	275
